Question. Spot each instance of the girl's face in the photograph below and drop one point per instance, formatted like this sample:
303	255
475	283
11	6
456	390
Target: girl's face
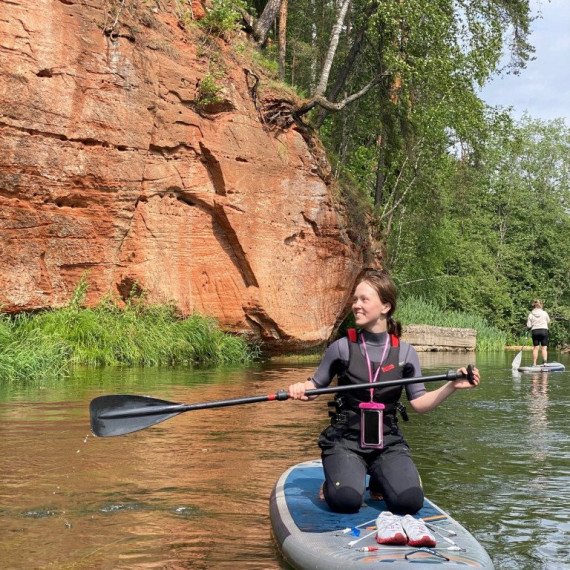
370	312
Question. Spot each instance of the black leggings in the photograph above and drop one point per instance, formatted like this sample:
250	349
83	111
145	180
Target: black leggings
392	473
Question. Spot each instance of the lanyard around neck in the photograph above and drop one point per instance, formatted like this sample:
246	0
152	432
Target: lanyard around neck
371	377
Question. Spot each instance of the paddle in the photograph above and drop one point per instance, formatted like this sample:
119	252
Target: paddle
518	358
122	413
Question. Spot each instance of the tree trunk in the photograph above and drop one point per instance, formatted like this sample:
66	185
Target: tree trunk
347	67
263	25
282	38
333	44
380	175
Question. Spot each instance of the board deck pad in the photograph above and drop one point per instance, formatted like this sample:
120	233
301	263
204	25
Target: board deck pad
311	513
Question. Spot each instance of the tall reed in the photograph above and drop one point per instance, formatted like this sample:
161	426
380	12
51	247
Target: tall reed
48	343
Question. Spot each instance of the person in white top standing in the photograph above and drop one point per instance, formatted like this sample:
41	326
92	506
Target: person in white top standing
537	322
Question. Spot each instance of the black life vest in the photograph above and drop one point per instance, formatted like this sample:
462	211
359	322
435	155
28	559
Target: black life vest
357	373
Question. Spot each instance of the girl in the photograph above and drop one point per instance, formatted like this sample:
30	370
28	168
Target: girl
372	353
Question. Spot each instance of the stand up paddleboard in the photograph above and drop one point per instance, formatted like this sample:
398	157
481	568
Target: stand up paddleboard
547	367
311	536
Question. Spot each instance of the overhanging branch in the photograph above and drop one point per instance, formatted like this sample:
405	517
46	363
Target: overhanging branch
338	105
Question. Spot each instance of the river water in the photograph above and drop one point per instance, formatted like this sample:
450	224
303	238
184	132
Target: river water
193	492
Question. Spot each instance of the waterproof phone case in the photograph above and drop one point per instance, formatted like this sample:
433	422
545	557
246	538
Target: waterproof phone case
371	425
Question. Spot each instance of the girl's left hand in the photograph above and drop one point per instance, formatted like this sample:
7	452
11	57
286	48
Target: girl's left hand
464	383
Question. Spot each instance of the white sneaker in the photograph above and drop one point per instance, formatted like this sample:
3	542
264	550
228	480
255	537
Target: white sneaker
389	529
417	531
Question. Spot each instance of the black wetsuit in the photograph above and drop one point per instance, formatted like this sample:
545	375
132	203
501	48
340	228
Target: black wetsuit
391	469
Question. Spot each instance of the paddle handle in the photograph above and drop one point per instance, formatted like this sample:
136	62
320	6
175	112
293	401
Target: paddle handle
282	395
157	410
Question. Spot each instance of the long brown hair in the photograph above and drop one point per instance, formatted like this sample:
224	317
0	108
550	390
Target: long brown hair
382	283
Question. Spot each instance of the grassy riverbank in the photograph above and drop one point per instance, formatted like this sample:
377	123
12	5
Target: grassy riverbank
49	343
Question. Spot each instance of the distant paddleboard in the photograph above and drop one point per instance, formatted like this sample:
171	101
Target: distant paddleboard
547	367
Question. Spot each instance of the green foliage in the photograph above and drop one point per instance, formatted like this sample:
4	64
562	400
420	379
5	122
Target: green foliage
29	355
222	17
48	343
496	234
208	92
267	61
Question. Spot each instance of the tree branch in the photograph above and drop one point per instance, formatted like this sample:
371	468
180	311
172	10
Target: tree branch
335	106
349	63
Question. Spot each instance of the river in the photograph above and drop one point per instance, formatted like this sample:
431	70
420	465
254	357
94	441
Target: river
192	492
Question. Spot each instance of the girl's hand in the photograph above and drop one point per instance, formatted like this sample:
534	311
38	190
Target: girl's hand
297	390
464	383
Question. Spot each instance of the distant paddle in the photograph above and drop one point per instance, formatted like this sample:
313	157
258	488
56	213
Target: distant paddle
515	364
120	414
517	360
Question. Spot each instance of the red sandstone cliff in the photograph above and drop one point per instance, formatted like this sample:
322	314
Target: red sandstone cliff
109	170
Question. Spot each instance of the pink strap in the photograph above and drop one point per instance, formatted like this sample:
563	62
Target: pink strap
372	378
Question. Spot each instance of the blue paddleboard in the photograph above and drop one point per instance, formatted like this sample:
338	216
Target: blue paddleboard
311	536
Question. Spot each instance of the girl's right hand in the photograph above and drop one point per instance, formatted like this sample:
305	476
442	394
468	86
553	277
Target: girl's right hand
297	390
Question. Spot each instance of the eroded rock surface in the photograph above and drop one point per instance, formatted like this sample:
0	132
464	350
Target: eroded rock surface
110	169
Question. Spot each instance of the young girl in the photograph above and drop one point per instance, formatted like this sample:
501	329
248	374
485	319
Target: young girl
372	353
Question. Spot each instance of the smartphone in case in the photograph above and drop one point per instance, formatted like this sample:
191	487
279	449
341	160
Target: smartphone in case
371	425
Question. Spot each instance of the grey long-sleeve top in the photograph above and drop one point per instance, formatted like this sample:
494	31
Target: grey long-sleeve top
335	361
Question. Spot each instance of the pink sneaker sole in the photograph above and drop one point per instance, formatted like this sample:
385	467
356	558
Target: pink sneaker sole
422	541
398	538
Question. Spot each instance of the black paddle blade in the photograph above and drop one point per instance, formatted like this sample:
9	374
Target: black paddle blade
120	414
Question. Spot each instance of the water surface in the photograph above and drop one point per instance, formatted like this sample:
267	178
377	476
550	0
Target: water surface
193	491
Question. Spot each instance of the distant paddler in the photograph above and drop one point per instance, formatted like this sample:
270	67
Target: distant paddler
538	321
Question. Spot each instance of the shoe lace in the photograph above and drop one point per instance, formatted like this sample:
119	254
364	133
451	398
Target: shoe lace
389	523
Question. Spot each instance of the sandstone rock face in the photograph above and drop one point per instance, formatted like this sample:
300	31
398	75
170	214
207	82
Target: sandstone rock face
109	170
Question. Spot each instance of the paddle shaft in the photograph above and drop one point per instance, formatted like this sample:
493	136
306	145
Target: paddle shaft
280	395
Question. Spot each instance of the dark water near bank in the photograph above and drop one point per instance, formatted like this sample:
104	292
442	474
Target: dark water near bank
193	492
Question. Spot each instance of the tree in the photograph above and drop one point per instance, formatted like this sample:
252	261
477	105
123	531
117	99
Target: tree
497	233
263	25
448	181
283	38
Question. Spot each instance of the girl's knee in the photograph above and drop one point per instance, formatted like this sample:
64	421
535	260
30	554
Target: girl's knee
408	502
343	499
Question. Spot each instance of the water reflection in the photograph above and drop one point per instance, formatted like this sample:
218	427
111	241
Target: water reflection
193	492
538	408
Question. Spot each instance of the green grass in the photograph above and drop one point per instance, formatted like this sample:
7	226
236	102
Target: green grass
414	310
47	344
29	355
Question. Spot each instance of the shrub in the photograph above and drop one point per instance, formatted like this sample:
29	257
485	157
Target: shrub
208	92
223	17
